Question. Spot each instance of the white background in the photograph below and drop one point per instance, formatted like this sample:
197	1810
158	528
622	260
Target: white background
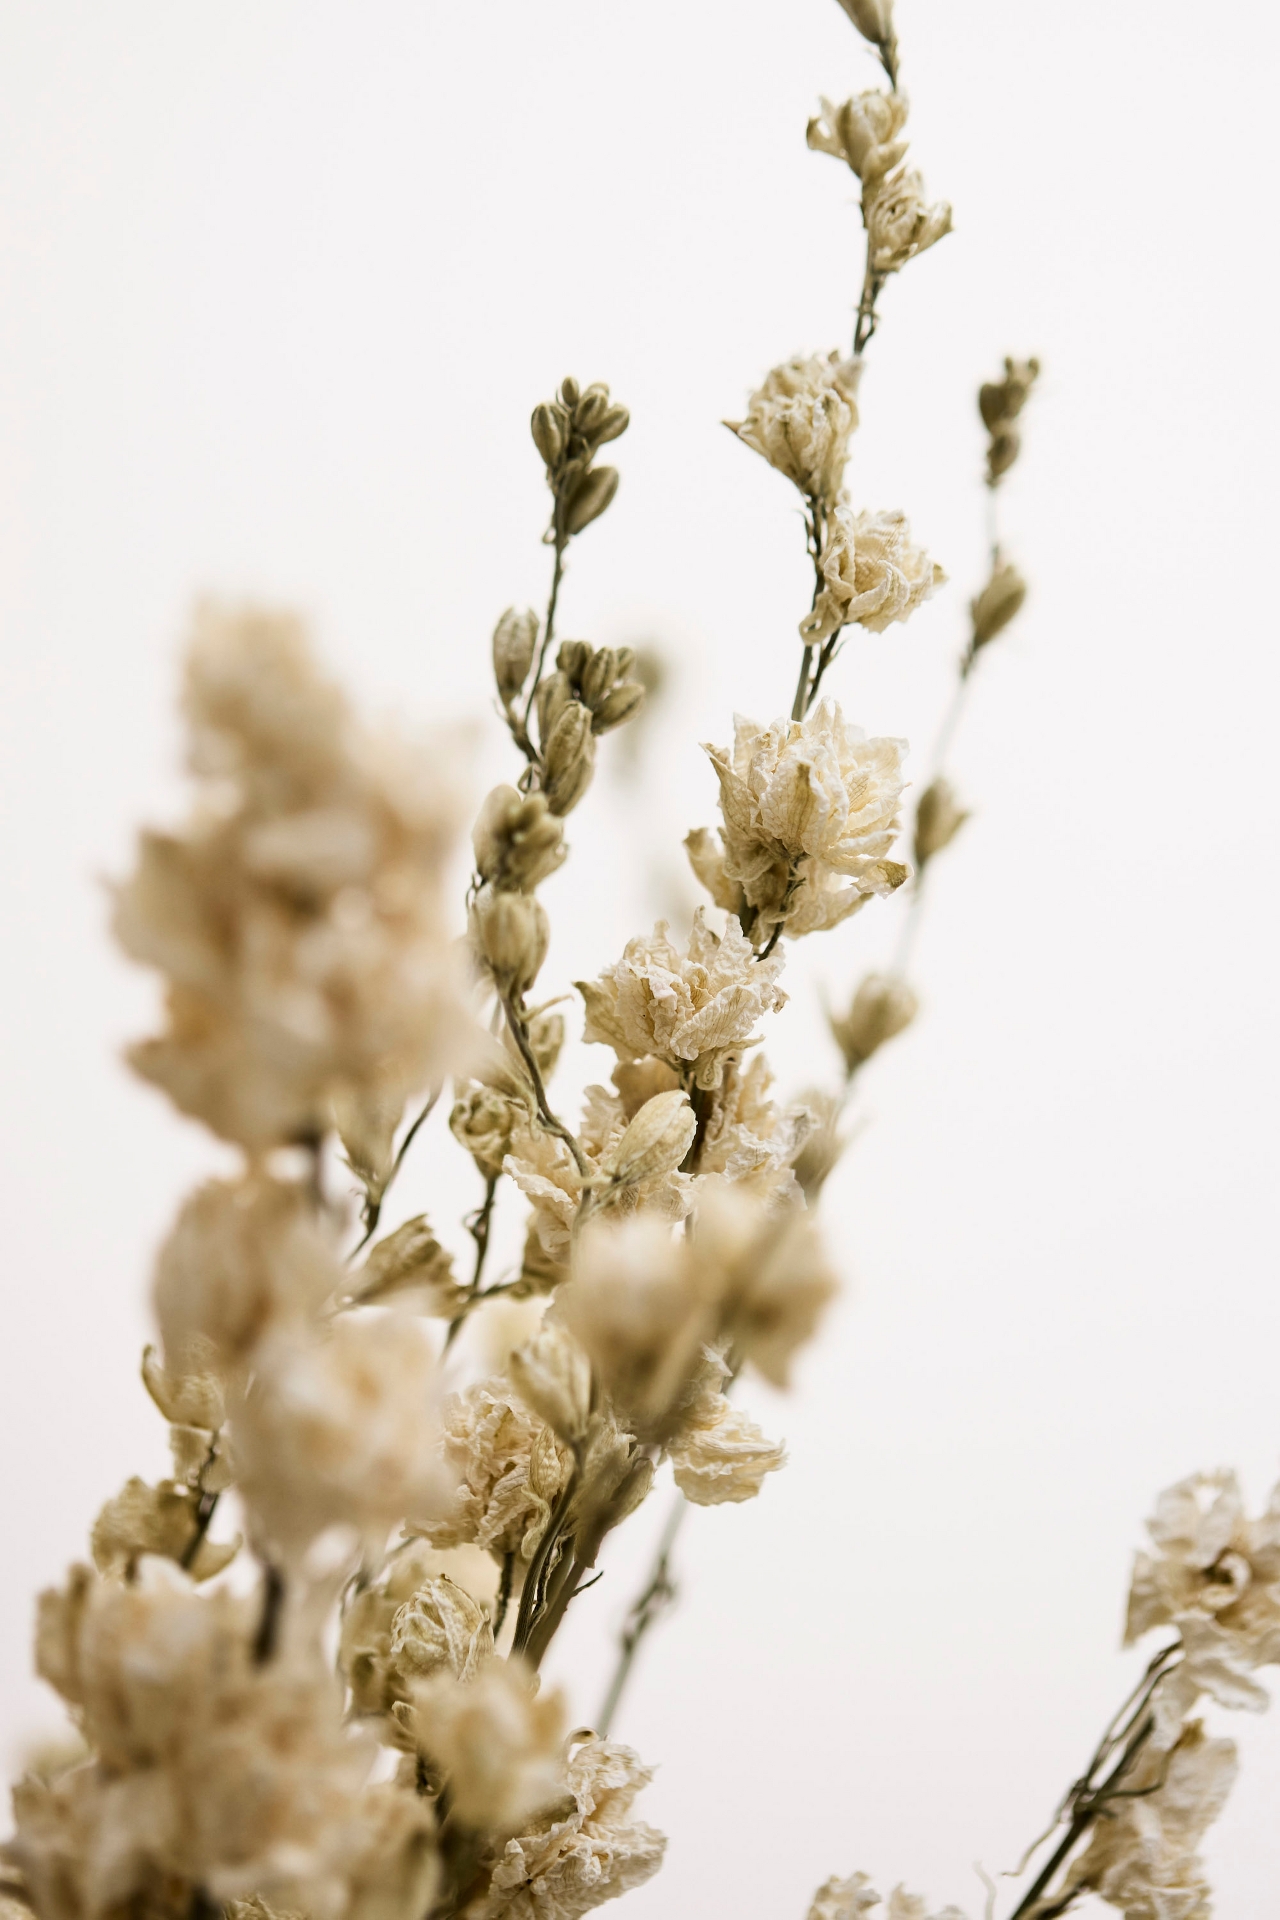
282	282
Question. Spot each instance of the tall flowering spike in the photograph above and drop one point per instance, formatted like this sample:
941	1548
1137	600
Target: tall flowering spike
873	574
691	1008
808	804
801	421
298	917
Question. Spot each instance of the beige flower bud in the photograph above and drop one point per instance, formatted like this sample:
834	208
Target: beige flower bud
554	694
511	932
572	657
872	18
482	1121
590	497
440	1629
569	758
1006	445
411	1259
939	818
598	674
549	427
997	604
514	640
591	409
517	840
619	705
863	132
552	1375
655	1142
187	1400
881	1008
900	223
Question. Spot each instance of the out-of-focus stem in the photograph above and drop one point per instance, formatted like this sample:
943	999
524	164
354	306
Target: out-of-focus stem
654	1597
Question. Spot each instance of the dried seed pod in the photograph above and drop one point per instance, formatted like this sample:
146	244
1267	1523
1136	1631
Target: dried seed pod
1003	451
615	422
514	640
591	410
569	393
655	1142
872	18
569	758
590	497
510	932
550	433
597	675
572	658
517	842
617	706
554	695
881	1008
996	605
939	818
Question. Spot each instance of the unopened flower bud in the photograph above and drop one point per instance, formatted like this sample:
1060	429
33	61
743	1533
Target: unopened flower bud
615	422
546	1038
548	427
554	695
569	393
655	1142
572	657
511	932
872	18
996	605
411	1260
620	705
939	818
591	410
514	639
569	759
552	1375
597	675
1002	452
881	1008
517	840
1000	401
590	498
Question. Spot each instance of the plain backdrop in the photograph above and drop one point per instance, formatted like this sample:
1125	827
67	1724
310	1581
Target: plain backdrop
282	281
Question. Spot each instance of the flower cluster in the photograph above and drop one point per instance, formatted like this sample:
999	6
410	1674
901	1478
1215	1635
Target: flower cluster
872	574
866	133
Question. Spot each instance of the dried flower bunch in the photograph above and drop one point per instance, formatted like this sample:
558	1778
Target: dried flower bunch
332	1709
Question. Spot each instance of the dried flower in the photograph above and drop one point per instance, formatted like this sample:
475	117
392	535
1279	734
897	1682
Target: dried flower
939	818
801	420
1212	1564
586	1849
509	935
552	1375
514	639
722	1455
804	803
410	1260
692	1008
844	1899
748	1138
243	1257
900	221
517	841
881	1008
439	1628
863	132
509	1470
872	574
495	1740
338	1427
298	919
161	1520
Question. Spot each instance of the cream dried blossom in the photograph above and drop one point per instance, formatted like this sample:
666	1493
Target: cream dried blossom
1142	1857
691	1008
806	805
771	1273
508	1467
440	1628
1211	1564
243	1258
213	1767
494	1740
161	1520
298	919
370	1612
587	1848
721	1455
749	1139
340	1426
872	572
900	221
853	1898
801	421
865	132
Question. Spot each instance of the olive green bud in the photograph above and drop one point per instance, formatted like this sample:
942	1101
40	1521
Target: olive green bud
881	1008
569	393
939	818
510	932
597	675
549	432
569	759
872	18
1003	451
517	842
590	497
617	706
615	422
554	695
514	639
996	605
572	658
591	410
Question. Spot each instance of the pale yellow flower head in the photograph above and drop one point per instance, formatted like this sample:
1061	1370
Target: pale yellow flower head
872	572
801	421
